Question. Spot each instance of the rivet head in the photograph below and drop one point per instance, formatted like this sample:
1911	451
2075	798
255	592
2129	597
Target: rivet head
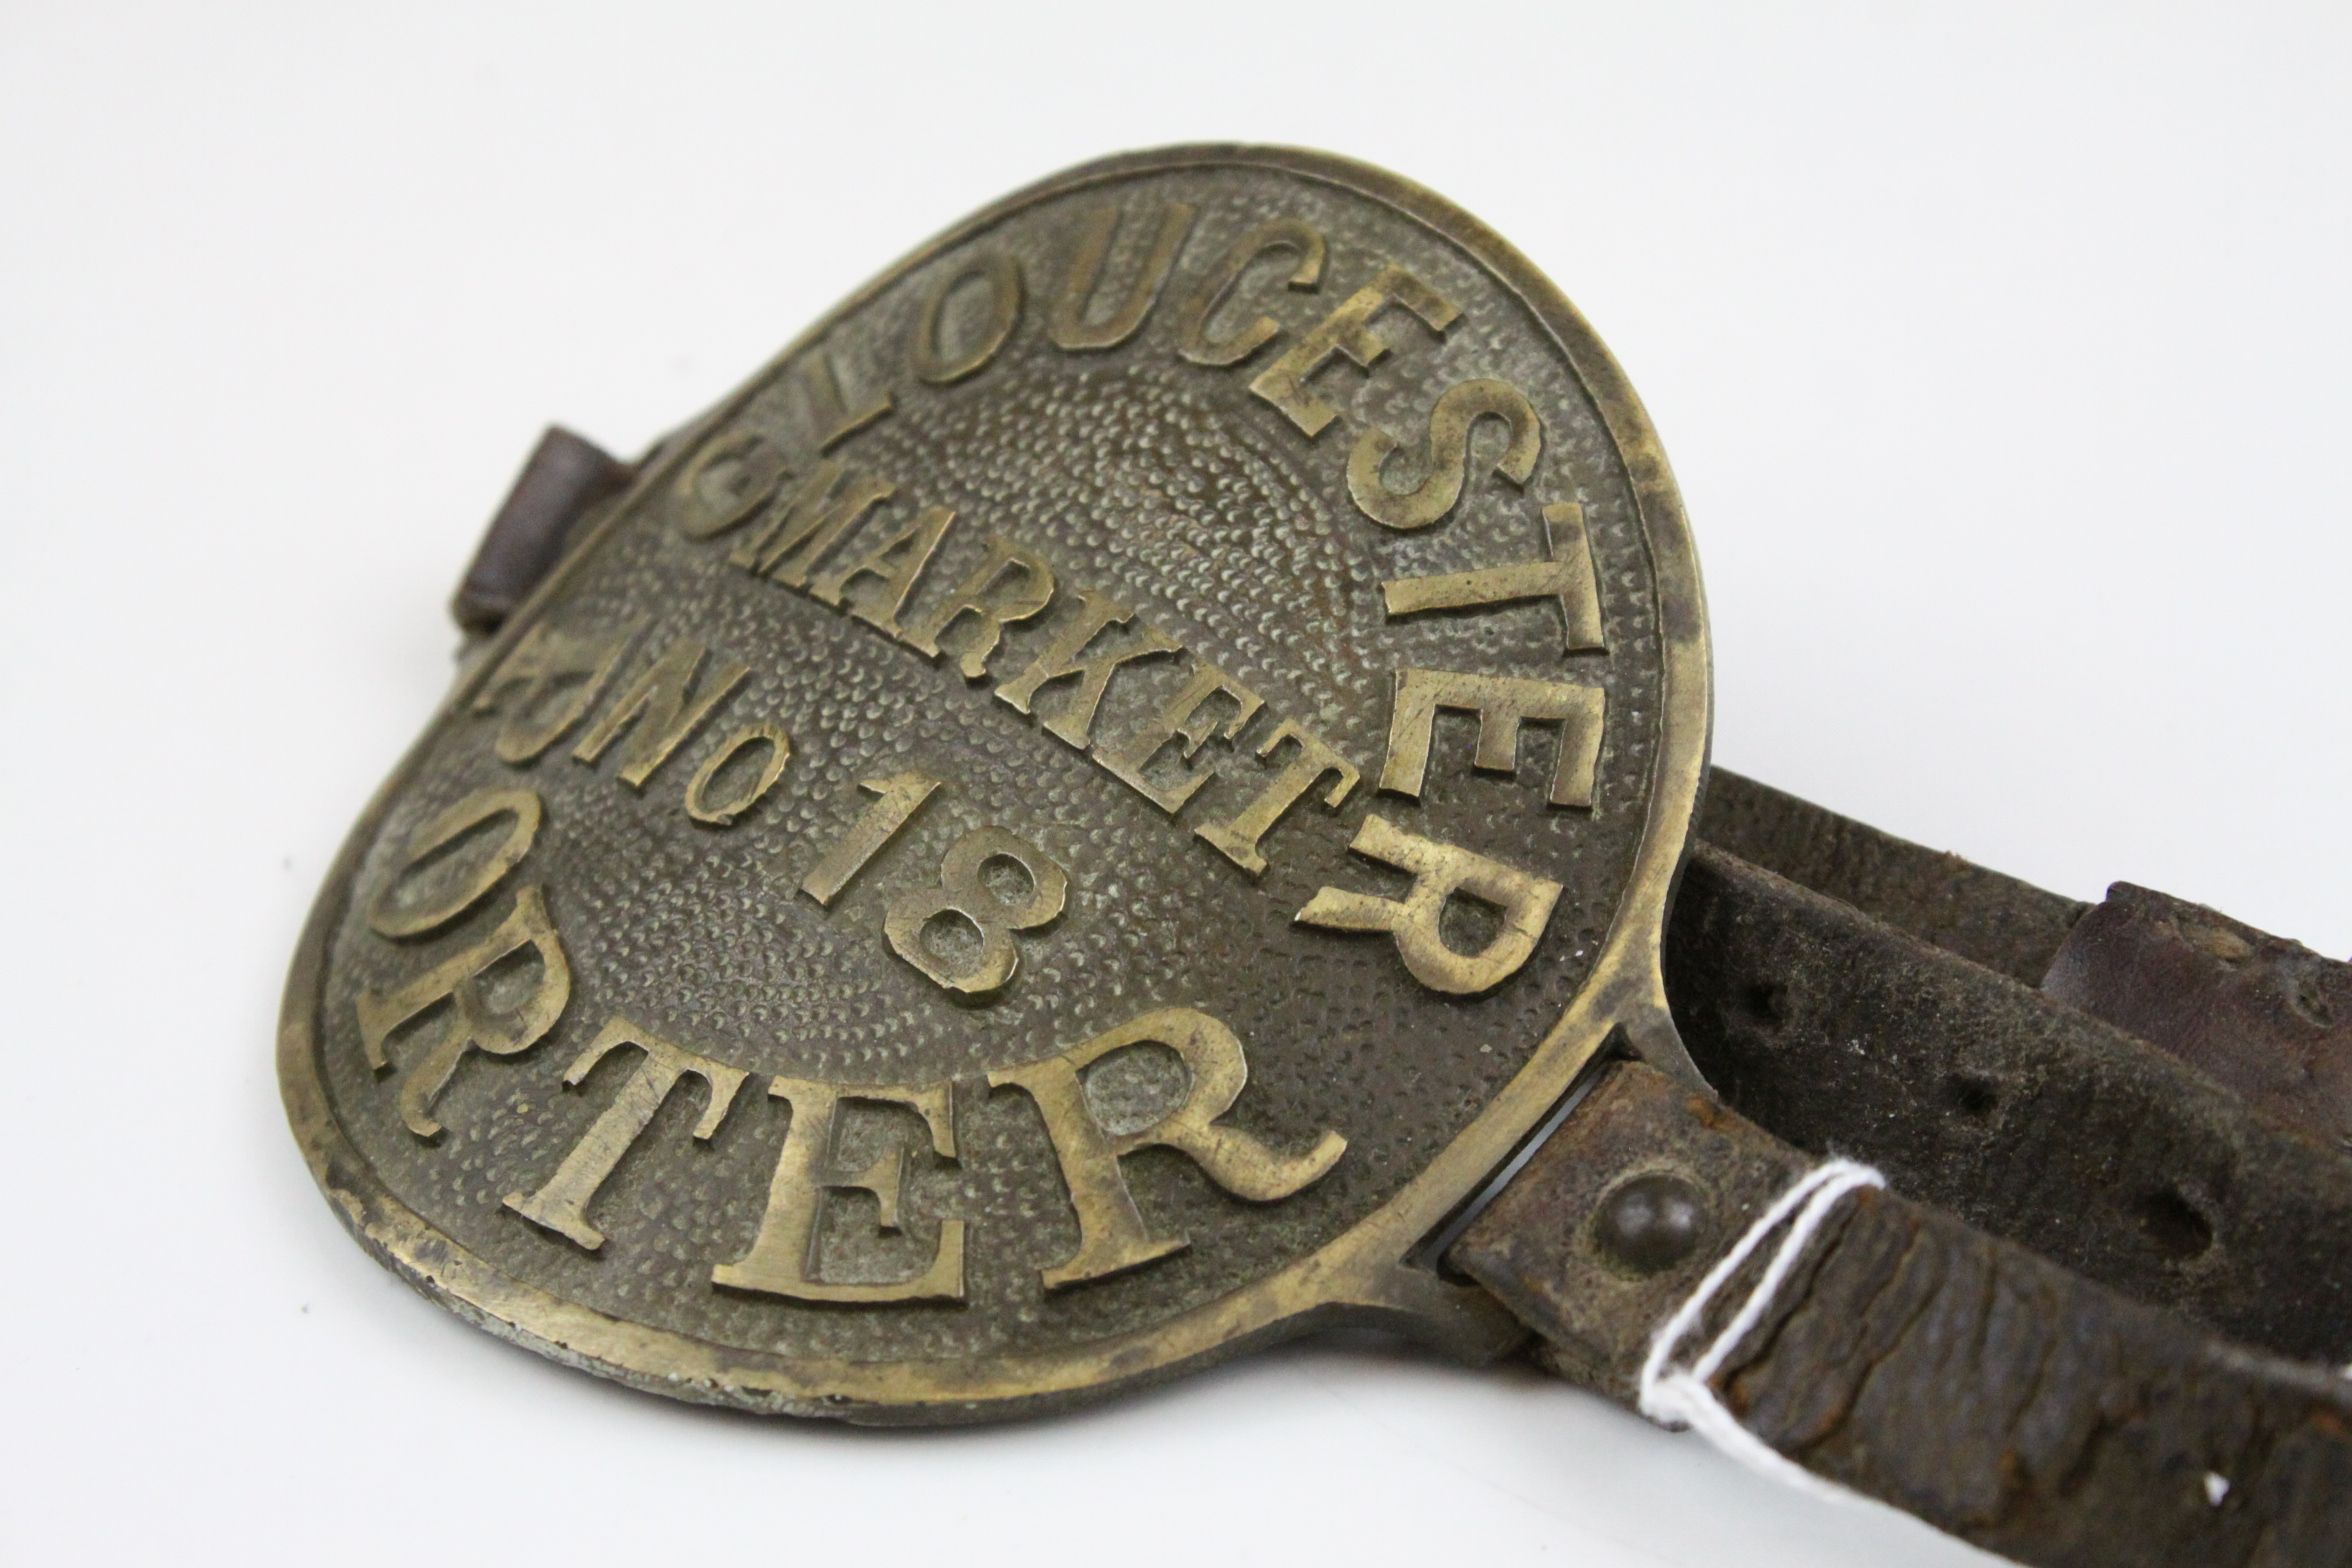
1650	1223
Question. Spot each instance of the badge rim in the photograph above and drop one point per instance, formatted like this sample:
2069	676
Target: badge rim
1362	1273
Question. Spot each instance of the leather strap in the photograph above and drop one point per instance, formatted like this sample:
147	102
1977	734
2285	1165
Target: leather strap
562	483
2263	1016
1962	1378
2267	1018
2099	1320
2013	1111
2007	926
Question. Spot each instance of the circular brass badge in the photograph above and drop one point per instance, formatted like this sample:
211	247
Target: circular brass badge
1064	829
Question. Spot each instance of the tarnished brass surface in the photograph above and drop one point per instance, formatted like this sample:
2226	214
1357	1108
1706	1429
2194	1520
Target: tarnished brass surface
1060	831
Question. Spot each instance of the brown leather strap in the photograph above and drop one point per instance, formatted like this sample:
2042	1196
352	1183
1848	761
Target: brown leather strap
2015	1112
2267	1018
562	482
2099	1321
1961	1378
2008	926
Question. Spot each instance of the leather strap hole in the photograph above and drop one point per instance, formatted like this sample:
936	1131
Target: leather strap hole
2176	1227
1973	1095
1767	1003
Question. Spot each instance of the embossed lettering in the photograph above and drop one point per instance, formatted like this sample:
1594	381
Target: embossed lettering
472	992
934	360
829	413
1183	724
721	811
1501	703
901	796
421	897
561	1204
1066	658
1440	873
1070	327
797	532
1112	1236
1276	237
784	1259
1312	760
659	713
1010	586
726	484
963	895
546	684
1347	331
1445	455
1565	573
894	565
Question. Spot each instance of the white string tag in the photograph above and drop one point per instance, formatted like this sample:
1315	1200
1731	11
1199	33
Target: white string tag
1681	1394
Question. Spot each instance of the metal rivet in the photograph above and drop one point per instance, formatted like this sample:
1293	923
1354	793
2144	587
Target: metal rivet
1651	1222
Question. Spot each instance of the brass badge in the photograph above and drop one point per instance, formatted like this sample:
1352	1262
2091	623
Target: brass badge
1064	829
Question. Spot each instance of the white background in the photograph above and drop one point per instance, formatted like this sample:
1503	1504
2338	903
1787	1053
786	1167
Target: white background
2001	353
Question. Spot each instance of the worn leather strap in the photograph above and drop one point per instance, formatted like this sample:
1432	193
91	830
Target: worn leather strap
2267	1018
1983	1095
2100	1318
562	483
2003	924
1913	1358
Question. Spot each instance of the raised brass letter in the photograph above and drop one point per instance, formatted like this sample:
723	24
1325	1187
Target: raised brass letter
963	895
1311	762
799	531
721	813
902	795
1065	658
546	684
1182	722
1565	573
405	908
834	420
1440	871
1501	703
1010	586
1445	455
784	1258
463	985
1200	307
1111	1234
1069	328
1347	330
933	361
726	483
663	713
895	565
562	1204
